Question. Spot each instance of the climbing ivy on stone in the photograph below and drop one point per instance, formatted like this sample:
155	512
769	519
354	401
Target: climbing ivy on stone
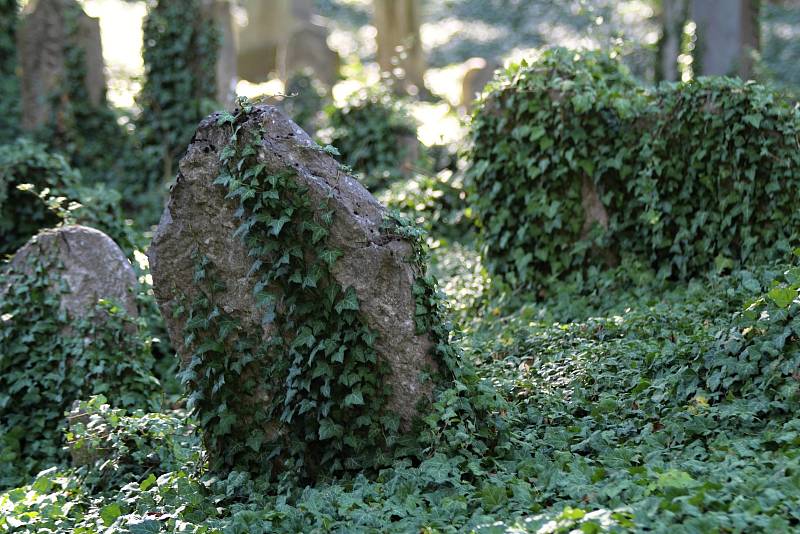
321	397
576	168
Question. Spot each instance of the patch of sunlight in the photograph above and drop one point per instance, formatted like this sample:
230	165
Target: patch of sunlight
437	123
254	90
435	34
121	35
446	82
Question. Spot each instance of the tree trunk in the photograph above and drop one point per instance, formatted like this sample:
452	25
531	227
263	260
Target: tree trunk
399	44
727	34
673	17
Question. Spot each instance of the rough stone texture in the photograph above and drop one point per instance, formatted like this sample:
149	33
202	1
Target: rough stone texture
94	267
43	40
199	219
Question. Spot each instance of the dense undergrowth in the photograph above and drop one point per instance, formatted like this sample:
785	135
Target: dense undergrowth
660	406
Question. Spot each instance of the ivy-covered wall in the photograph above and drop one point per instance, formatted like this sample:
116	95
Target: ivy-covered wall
576	167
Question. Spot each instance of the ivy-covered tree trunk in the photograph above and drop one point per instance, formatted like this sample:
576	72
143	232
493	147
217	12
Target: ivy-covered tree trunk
9	83
727	34
673	17
180	57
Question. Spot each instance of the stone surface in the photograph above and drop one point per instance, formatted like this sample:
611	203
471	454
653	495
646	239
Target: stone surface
198	219
44	40
308	49
477	73
94	267
400	50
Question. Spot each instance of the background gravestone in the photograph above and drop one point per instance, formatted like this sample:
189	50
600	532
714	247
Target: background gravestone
46	37
94	267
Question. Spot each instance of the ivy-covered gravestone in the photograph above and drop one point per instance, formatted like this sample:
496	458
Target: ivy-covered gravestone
68	330
58	43
307	329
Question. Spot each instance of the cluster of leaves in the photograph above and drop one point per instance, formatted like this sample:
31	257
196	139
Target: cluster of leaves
436	203
50	359
575	168
9	83
375	135
180	54
309	400
39	189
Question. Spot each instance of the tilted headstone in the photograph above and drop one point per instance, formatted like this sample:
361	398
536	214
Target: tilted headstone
54	30
90	263
199	221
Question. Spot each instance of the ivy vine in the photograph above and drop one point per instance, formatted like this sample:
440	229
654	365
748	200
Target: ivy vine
9	82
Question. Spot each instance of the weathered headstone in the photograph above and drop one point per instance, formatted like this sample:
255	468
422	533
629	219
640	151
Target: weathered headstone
91	264
477	73
200	221
307	48
47	37
269	25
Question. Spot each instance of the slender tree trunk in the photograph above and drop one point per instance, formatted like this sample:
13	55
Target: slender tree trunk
400	50
673	18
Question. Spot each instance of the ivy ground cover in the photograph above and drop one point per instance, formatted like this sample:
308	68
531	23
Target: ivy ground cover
668	407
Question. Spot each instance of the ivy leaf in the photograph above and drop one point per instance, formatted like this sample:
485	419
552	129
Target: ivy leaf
328	429
110	513
782	296
354	399
349	302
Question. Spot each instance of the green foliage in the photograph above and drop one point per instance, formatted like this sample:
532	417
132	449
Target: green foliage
118	448
50	359
436	203
690	176
375	135
667	408
309	400
38	189
9	82
180	53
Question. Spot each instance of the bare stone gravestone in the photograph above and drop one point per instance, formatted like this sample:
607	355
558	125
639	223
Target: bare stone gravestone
477	73
199	221
93	267
47	36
